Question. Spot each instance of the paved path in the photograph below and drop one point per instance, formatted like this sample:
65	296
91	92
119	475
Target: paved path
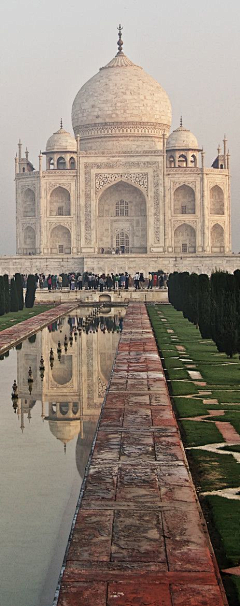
139	538
14	334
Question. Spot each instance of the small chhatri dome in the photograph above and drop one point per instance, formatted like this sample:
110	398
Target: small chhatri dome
182	139
121	96
61	141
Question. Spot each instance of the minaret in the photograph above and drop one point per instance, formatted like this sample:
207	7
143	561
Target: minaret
225	151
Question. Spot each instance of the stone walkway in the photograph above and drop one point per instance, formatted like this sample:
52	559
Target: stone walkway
139	538
11	336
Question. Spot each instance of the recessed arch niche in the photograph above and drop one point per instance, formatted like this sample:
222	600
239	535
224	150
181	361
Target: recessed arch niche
216	201
60	240
29	240
29	204
59	202
184	200
217	238
132	221
184	239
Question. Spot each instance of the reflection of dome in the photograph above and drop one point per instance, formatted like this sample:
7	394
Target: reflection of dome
121	93
61	141
181	139
65	430
62	371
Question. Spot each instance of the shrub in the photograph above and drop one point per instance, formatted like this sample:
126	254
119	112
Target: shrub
13	296
30	293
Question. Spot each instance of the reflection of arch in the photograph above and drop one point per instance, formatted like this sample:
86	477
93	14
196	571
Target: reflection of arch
60	240
184	200
131	218
185	239
61	163
62	372
122	242
64	407
182	160
29	207
217	238
29	239
59	202
72	164
171	162
216	201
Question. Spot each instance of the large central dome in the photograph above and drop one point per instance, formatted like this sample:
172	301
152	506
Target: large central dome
120	101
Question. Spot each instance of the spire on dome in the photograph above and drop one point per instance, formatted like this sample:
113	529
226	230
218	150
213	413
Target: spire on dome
120	41
61	123
180	121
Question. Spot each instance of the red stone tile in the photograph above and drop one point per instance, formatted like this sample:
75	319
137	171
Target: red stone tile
83	594
196	595
137	537
92	536
138	594
101	483
135	445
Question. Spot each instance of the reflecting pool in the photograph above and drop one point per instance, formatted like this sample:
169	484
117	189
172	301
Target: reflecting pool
46	435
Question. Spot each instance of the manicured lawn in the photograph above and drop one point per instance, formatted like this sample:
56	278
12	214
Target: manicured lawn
15	317
198	434
211	471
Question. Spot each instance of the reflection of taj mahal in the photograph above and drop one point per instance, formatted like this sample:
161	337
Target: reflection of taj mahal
73	388
123	182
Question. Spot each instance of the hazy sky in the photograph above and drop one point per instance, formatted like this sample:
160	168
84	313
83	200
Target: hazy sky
50	48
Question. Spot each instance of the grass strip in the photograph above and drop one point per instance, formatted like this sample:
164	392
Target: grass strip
14	317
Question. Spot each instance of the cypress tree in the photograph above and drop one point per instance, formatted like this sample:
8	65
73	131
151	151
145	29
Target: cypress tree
193	311
2	297
184	293
204	306
237	292
6	293
19	285
13	296
30	293
230	328
218	286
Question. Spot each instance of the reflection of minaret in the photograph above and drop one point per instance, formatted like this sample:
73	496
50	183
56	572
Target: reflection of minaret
22	426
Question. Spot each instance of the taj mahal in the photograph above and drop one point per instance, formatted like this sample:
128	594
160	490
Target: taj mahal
123	192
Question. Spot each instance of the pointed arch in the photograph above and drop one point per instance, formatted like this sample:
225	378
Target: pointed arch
217	239
122	209
61	163
59	202
29	204
29	240
216	200
184	200
60	240
184	239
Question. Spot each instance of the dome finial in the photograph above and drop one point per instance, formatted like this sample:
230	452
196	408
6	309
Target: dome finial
61	124
180	121
120	41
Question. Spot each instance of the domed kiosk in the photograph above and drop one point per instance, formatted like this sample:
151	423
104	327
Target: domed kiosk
123	193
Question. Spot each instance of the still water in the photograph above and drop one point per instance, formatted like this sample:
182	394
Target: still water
45	440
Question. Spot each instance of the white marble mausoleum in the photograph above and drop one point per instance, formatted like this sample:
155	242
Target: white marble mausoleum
123	183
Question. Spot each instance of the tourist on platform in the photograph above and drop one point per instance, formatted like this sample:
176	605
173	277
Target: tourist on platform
150	281
136	280
126	280
59	282
49	282
141	279
116	282
80	282
101	283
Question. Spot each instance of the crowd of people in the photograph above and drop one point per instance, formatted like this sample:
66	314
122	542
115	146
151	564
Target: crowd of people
91	281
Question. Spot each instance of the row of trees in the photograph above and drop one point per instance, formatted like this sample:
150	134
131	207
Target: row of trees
11	293
212	304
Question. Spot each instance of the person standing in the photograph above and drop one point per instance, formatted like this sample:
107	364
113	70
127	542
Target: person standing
136	280
126	280
150	281
79	282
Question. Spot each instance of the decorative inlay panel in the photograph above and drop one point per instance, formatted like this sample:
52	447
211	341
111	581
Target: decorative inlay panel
103	179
